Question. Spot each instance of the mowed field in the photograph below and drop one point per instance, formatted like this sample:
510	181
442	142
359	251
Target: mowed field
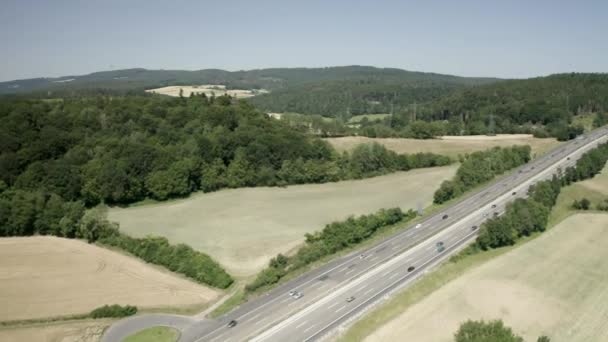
48	276
448	145
554	285
85	331
244	228
209	90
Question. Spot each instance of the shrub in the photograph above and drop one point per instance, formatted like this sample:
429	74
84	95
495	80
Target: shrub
113	311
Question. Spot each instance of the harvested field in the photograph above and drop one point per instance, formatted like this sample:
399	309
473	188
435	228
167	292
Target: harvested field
47	276
448	145
553	285
244	228
207	89
86	331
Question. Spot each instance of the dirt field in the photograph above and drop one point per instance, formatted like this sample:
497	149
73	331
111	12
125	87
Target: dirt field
244	228
451	146
553	285
207	89
87	331
47	276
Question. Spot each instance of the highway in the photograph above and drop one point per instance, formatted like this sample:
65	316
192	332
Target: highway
345	288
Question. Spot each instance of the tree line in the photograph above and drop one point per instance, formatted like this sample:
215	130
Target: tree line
479	167
333	238
492	331
526	216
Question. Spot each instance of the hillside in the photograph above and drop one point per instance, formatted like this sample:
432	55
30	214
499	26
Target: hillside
271	79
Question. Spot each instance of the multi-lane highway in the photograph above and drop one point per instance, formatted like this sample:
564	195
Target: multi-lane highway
340	291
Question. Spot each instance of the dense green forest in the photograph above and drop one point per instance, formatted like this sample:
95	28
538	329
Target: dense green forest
270	79
544	106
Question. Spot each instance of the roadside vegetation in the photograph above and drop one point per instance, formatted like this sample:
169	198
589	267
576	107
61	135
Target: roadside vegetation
156	334
495	331
522	221
480	167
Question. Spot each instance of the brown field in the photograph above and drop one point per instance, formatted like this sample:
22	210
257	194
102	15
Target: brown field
448	145
207	89
244	228
85	331
47	276
554	285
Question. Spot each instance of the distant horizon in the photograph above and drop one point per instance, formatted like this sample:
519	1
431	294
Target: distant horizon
473	38
295	67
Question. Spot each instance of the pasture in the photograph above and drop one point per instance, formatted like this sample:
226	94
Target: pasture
448	145
553	285
46	276
244	228
84	331
207	89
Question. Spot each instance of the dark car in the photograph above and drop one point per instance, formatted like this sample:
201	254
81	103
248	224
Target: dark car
445	217
350	299
496	214
474	228
411	268
514	193
568	158
232	324
493	205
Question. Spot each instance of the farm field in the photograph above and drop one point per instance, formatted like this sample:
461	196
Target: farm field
448	145
244	228
85	331
370	117
47	276
553	285
207	89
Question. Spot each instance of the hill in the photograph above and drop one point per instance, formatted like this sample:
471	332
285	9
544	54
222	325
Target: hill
271	79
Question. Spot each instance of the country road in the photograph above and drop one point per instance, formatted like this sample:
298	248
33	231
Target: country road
337	293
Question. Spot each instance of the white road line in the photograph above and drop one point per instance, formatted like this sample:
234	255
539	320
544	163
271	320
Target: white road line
396	247
362	287
284	300
341	308
301	324
323	286
254	317
374	258
260	321
351	271
393	276
334	304
368	291
310	327
316	284
386	273
292	303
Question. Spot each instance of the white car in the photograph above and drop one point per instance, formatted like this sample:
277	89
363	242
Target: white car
418	225
297	295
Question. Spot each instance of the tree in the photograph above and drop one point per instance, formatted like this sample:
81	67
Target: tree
481	331
543	339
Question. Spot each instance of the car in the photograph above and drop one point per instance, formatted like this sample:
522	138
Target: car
350	299
496	213
232	323
493	206
514	193
440	243
292	292
485	214
418	225
297	295
568	158
411	268
520	171
445	216
474	228
362	256
532	167
440	248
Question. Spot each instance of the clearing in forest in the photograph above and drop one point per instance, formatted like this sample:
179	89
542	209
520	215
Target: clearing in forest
554	285
208	89
244	228
45	276
448	145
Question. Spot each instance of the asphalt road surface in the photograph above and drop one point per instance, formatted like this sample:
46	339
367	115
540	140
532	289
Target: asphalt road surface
337	293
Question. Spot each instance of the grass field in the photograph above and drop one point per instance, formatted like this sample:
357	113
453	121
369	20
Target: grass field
156	334
553	285
47	277
244	228
207	89
452	146
84	331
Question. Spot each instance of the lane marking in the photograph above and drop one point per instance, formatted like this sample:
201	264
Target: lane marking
341	308
351	271
310	327
362	287
334	304
301	324
368	291
393	276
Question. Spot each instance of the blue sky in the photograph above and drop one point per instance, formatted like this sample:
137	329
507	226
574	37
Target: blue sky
511	39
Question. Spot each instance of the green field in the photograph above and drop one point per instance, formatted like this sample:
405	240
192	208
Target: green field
268	221
156	334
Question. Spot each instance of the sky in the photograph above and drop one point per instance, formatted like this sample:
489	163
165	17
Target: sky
508	39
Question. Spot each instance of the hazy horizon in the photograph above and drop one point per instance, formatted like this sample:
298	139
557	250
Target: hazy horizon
470	38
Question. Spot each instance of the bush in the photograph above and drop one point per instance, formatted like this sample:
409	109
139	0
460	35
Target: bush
113	311
583	204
